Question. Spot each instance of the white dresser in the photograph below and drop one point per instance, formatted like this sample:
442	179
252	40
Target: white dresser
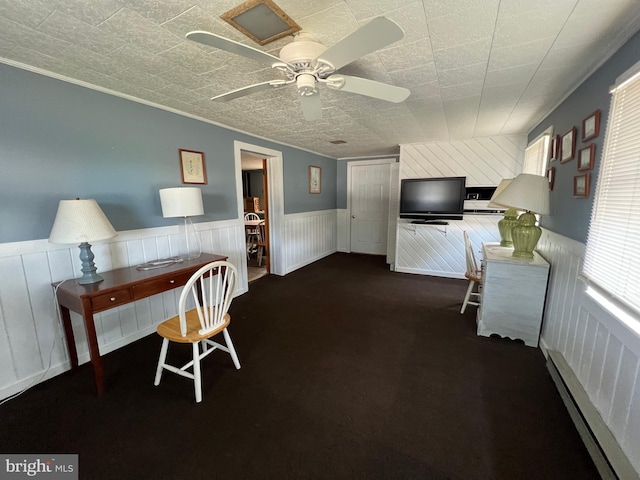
512	295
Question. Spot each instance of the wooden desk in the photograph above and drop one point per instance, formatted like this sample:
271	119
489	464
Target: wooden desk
119	287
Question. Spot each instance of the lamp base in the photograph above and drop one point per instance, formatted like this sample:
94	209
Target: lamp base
188	243
525	236
505	225
88	267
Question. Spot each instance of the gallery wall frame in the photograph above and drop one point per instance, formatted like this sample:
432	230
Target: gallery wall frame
591	126
568	145
581	185
586	157
551	176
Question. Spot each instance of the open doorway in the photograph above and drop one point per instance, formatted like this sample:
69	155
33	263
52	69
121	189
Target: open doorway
274	195
256	213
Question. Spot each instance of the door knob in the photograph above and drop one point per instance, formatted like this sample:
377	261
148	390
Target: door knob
353	216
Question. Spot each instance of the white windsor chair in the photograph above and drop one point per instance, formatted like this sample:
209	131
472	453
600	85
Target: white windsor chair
473	274
210	290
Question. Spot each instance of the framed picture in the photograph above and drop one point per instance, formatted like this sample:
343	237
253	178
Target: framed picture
591	126
551	176
315	179
568	145
586	157
581	185
553	148
192	167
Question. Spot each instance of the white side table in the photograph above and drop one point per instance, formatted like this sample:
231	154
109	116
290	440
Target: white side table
513	294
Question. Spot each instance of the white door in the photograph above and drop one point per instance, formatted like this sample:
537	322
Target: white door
369	208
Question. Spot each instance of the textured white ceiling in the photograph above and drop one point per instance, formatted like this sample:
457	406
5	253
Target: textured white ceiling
474	67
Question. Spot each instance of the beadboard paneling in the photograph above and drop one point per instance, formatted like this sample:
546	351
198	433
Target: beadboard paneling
603	353
309	236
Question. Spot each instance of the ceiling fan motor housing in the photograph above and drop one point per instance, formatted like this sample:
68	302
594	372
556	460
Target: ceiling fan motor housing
302	53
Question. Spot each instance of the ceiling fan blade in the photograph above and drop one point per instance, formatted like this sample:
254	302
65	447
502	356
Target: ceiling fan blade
311	107
241	92
232	46
370	88
376	34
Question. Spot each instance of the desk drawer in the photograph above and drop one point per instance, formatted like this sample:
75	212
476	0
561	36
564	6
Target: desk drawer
160	285
110	300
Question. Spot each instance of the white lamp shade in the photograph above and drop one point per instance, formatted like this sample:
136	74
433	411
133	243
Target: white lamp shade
181	202
526	192
501	186
79	221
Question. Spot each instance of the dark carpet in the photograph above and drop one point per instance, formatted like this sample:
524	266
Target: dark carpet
349	371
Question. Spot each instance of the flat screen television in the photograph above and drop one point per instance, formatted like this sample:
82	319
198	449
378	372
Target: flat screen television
439	198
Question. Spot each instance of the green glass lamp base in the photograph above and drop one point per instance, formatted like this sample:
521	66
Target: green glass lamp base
525	236
505	225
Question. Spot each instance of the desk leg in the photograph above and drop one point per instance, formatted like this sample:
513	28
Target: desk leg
68	333
94	351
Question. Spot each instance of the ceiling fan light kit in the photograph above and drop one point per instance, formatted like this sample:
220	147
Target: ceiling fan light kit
308	63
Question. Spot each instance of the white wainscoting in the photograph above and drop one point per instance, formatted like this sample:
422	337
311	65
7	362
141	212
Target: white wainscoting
308	237
344	244
603	353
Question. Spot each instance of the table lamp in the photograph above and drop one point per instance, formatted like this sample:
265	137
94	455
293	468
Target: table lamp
510	218
530	193
184	202
82	221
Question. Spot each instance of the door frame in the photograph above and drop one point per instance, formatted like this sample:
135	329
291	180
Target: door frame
360	163
275	199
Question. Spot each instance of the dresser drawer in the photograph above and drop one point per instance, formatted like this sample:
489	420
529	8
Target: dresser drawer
160	285
110	300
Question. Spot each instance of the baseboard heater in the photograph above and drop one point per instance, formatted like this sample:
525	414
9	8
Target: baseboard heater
605	451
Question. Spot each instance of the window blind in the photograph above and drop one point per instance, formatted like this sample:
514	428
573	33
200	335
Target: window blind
612	258
535	156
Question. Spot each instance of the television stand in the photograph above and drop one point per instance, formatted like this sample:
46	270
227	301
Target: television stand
430	222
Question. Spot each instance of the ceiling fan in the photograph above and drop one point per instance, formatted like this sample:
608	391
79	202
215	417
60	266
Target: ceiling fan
307	64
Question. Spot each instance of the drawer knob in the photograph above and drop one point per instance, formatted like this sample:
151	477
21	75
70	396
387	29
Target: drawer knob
113	299
172	281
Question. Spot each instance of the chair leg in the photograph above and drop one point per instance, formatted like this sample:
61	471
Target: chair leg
161	361
467	296
197	379
232	351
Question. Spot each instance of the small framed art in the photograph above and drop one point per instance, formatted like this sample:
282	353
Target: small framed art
315	179
586	157
581	185
551	176
568	145
192	167
591	126
553	148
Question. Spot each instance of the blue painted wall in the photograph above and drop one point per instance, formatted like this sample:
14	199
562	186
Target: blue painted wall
59	141
570	216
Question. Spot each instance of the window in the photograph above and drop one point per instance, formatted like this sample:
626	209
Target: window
536	154
612	258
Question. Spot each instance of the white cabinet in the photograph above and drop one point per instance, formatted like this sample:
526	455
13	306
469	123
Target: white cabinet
512	295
